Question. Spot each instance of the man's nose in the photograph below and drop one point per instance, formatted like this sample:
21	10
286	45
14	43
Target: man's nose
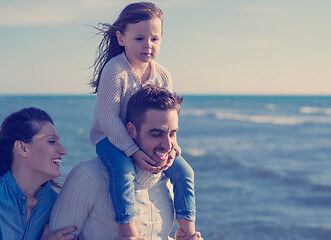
166	142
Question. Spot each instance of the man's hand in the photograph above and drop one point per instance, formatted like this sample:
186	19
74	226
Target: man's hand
144	162
131	238
180	234
63	234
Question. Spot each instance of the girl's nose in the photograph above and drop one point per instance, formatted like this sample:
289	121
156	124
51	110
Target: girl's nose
148	44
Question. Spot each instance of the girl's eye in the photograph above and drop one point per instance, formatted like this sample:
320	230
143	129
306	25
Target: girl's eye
52	141
139	39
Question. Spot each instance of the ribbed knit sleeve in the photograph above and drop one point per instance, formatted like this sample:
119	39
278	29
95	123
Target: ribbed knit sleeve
74	201
115	87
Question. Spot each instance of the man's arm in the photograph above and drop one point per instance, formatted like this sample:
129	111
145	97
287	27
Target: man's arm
74	201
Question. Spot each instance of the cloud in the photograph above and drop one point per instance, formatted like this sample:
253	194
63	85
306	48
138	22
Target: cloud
182	3
260	8
37	12
256	43
54	12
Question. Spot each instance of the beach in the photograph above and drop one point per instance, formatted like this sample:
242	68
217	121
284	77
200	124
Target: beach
262	163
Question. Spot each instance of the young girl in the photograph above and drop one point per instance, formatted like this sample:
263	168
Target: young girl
125	64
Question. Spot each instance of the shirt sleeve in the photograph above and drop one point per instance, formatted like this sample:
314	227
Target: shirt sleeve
75	201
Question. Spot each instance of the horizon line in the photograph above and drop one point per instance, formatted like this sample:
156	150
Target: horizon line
183	94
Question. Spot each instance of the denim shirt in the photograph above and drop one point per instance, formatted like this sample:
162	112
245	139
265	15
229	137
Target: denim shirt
13	210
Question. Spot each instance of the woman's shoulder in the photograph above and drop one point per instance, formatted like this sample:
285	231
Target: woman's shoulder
8	181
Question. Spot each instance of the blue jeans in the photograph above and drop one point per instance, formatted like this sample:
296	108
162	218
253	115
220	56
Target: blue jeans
181	176
121	183
121	180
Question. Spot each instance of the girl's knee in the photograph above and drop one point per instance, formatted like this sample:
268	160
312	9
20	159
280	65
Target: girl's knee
184	169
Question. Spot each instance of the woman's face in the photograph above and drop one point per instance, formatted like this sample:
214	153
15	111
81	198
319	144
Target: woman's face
44	153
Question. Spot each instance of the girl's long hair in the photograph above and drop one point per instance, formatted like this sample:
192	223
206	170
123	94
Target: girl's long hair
109	46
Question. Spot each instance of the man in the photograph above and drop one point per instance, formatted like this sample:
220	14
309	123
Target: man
84	201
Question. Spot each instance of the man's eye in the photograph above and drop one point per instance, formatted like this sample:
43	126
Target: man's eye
173	134
156	134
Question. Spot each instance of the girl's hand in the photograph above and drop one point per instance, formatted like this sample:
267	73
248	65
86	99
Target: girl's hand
180	234
144	162
63	234
171	159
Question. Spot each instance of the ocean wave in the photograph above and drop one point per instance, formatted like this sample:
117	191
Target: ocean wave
270	106
196	152
315	110
263	119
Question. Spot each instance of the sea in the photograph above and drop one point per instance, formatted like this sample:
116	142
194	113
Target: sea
262	163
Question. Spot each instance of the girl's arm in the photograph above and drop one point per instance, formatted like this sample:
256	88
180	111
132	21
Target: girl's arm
108	110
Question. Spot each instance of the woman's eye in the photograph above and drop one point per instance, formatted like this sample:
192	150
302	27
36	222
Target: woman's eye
139	39
52	141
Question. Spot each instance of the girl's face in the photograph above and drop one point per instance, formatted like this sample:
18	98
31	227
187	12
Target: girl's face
44	153
141	41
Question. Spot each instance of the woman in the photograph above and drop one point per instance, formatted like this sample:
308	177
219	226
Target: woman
30	153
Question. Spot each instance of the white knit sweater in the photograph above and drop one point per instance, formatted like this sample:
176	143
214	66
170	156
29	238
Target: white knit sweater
118	82
84	202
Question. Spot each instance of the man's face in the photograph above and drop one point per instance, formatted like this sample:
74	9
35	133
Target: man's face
157	136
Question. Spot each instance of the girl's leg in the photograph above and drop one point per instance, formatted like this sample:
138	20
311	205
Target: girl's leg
121	180
181	176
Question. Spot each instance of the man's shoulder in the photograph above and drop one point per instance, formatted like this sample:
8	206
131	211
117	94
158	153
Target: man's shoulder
92	168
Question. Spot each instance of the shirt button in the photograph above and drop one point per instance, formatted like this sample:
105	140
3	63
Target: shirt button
23	212
23	198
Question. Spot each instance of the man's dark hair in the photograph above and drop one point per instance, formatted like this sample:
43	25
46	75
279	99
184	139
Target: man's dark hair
151	97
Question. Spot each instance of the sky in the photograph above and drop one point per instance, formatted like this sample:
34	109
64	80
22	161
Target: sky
209	46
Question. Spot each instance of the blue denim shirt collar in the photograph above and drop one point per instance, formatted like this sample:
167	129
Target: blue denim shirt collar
13	209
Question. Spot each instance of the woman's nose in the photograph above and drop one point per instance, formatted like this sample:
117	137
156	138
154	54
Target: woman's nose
62	150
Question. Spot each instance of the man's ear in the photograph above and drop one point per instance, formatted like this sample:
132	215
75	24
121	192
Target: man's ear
20	148
131	130
120	40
